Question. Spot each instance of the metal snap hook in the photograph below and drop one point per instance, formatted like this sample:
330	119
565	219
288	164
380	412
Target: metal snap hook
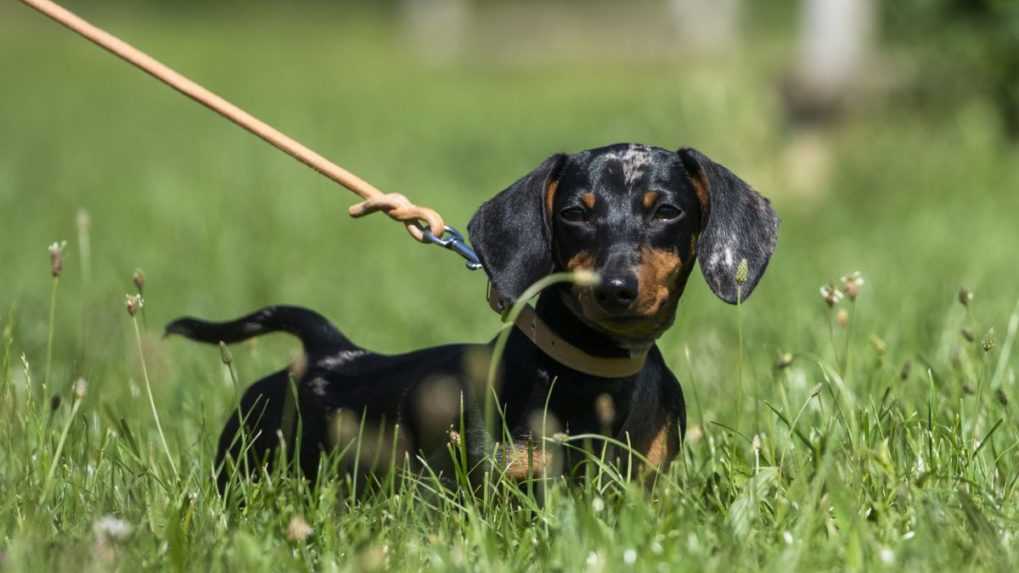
454	240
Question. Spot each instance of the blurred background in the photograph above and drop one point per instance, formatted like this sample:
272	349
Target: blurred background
884	132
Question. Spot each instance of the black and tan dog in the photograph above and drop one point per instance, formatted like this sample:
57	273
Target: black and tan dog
584	359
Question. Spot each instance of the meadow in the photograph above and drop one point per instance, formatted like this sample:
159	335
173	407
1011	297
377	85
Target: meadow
878	433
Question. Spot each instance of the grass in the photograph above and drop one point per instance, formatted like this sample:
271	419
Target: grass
889	443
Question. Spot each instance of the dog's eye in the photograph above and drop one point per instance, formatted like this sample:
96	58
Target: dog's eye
574	214
668	213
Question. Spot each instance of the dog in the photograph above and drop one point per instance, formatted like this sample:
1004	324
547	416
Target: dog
583	362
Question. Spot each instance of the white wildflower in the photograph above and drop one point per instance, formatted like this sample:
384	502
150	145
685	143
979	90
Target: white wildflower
851	285
831	295
79	388
887	556
298	529
111	528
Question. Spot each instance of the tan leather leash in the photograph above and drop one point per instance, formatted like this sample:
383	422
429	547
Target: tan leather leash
424	224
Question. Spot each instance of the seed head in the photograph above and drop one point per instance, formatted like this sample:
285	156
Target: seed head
454	437
138	278
1001	396
956	358
907	368
224	354
842	317
784	360
742	272
968	389
111	529
57	258
134	303
965	296
79	388
879	345
831	295
988	341
851	285
968	334
298	529
586	278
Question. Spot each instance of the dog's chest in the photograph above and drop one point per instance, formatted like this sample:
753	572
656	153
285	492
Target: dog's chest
546	403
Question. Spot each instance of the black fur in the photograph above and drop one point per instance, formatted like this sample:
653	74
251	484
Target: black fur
422	401
511	232
741	226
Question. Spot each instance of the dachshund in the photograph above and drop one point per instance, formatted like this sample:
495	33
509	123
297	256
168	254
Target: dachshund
582	362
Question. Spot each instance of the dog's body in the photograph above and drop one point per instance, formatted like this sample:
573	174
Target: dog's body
638	216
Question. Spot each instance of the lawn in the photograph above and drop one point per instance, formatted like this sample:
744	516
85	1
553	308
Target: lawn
883	436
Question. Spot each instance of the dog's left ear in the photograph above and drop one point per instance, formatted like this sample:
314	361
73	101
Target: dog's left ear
511	231
740	225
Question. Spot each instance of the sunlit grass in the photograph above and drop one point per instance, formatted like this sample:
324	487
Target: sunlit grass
886	442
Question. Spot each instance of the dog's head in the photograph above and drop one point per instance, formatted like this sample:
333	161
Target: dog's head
639	216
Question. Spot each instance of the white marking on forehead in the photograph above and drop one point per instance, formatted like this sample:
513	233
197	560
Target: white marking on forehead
635	159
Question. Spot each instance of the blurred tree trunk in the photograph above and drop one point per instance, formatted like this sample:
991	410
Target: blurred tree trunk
834	44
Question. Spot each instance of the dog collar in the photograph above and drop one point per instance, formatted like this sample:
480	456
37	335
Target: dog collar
558	349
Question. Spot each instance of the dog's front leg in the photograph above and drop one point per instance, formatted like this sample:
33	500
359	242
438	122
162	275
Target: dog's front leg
525	459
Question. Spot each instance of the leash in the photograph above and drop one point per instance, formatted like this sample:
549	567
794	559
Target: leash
424	225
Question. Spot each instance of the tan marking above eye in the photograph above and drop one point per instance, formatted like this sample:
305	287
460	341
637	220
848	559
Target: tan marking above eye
588	199
553	186
649	199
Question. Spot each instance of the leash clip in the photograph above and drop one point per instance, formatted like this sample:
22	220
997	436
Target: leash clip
454	241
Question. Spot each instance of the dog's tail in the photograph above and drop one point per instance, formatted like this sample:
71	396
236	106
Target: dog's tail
315	332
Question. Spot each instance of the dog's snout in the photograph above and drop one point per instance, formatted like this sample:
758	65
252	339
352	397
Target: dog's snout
617	293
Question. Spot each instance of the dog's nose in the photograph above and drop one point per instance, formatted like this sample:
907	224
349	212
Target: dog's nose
616	294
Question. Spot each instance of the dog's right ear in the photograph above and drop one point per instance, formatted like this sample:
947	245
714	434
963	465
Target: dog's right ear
511	232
